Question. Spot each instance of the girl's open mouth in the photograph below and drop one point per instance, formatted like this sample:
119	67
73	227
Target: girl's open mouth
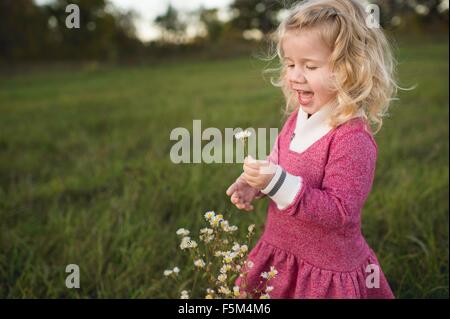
305	97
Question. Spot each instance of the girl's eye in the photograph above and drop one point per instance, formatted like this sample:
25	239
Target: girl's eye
311	67
290	66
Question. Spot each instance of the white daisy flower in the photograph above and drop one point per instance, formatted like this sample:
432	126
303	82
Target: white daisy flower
184	295
199	263
273	272
244	248
225	225
224	290
216	220
210	293
243	134
225	268
207	231
209	215
229	256
182	232
187	242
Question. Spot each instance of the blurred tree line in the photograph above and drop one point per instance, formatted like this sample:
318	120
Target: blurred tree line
31	32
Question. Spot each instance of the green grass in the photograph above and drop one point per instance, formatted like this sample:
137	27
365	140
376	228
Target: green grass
86	178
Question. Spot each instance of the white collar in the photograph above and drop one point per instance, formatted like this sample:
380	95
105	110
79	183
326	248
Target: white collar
309	130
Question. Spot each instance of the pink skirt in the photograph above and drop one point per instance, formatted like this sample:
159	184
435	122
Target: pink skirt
299	279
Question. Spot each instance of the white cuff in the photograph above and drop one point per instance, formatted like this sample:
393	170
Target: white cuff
283	188
273	181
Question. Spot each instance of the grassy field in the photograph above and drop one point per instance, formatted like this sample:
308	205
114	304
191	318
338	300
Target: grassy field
86	178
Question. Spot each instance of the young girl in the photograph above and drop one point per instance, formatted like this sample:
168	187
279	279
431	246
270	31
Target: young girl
337	77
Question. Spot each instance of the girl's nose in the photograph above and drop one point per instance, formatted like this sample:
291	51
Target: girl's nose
297	76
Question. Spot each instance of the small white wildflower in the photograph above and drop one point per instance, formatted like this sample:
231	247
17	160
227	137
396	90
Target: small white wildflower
224	290
216	220
167	272
210	293
207	239
229	256
184	295
236	247
225	268
236	291
206	230
199	263
226	226
251	228
187	242
273	272
176	270
182	232
244	248
222	277
209	215
269	289
243	134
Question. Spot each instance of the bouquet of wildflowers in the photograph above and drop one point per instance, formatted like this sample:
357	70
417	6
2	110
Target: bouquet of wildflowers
218	260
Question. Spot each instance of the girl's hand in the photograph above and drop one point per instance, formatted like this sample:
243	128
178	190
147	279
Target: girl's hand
258	174
242	194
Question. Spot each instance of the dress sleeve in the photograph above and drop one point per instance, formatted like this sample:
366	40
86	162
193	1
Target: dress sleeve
273	156
347	181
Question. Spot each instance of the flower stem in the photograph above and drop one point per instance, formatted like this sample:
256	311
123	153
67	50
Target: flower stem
195	282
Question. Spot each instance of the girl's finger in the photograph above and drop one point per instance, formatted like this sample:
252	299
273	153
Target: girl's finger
251	171
249	179
248	207
231	189
256	163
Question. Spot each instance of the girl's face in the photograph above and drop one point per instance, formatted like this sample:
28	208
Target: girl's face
308	74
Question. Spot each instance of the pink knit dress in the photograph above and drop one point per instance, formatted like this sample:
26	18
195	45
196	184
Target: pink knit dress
315	243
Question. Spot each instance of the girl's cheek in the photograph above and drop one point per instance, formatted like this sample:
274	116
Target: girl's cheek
326	83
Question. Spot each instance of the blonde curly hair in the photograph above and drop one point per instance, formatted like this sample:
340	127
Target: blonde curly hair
361	60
